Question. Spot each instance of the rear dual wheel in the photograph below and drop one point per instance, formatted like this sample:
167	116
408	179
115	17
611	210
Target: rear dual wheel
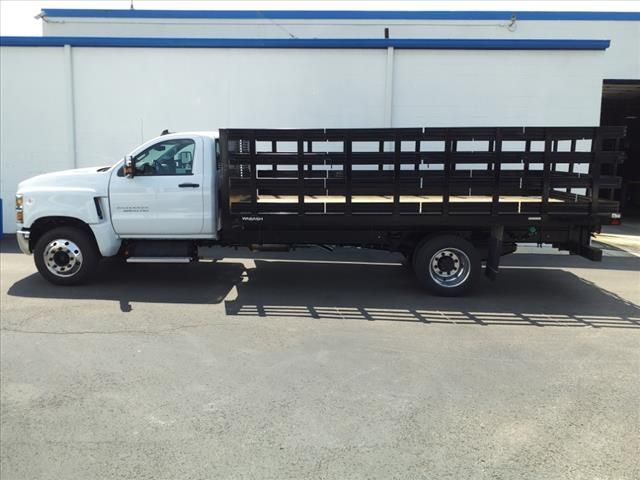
447	265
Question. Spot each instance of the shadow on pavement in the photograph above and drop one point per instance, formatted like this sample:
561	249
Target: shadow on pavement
523	295
203	283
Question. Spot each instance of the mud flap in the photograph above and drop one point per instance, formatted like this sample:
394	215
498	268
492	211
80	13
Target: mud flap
495	250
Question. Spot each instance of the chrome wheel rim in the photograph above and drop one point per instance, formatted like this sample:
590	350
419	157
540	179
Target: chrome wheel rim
449	267
62	257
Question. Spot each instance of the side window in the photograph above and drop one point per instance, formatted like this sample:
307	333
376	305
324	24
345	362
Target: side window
171	157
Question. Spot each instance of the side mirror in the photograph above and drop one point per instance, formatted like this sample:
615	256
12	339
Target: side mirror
184	158
129	166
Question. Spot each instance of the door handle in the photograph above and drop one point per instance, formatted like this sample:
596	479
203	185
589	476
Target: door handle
189	185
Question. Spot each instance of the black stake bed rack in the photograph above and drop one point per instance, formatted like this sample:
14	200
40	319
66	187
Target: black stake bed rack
276	182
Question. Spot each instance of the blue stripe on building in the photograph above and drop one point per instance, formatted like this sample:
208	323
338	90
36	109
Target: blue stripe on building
353	43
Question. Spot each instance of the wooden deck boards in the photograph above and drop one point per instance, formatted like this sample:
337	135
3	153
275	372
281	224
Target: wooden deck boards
403	199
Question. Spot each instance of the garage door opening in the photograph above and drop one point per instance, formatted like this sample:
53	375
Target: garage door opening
621	106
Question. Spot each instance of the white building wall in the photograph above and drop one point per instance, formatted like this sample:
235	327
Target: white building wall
125	96
119	97
485	88
622	60
34	133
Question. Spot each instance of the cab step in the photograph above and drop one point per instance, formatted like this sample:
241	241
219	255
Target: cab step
160	259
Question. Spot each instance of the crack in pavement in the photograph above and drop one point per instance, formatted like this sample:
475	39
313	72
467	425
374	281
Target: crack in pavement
111	332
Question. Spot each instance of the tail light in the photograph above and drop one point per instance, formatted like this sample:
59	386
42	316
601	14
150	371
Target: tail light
616	219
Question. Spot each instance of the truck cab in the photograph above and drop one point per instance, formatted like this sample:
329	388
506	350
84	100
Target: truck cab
171	191
70	217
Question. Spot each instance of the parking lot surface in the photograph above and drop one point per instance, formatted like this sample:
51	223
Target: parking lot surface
321	365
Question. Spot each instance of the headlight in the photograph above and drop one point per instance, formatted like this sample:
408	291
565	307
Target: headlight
19	210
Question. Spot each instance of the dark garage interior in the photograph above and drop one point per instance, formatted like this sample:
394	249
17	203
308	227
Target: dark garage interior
621	106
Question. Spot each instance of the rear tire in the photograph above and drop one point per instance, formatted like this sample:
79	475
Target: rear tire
446	265
66	256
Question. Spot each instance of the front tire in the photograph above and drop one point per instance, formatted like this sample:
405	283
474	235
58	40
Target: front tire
446	265
66	256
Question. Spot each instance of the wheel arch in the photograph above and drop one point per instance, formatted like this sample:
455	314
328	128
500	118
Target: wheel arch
45	224
473	236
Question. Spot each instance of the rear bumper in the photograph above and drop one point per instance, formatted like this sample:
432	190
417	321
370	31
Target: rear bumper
23	241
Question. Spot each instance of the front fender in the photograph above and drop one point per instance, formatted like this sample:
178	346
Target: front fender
77	205
108	242
66	202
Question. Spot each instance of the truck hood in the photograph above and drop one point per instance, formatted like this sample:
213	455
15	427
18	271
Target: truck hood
95	179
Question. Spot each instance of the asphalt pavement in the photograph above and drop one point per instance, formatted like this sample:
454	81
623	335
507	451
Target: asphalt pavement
319	365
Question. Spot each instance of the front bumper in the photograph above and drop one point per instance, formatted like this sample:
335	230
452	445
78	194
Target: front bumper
23	241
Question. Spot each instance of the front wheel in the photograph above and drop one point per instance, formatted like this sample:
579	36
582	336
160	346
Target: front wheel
66	256
447	265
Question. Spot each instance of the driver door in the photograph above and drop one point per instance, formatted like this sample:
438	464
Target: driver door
165	196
